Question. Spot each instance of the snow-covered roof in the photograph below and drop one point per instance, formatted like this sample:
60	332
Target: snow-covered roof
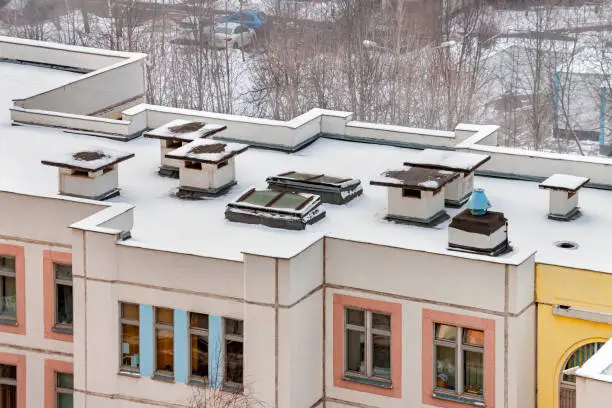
564	182
362	219
88	159
182	130
448	160
207	151
599	366
418	178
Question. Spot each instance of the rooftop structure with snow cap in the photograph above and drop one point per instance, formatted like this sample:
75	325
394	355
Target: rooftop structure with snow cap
563	188
90	173
331	189
415	194
458	191
175	134
276	209
478	230
207	167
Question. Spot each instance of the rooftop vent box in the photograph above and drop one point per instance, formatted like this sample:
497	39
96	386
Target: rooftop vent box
458	191
276	209
207	167
89	173
416	194
175	134
333	190
477	230
563	205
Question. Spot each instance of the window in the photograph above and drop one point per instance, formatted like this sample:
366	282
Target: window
8	386
164	342
234	352
367	345
198	332
130	337
408	192
63	297
459	360
8	289
63	390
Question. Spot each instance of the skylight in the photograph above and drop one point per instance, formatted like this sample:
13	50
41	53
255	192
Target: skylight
334	190
275	209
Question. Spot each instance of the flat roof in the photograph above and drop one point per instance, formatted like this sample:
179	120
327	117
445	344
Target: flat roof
207	151
182	130
163	221
565	182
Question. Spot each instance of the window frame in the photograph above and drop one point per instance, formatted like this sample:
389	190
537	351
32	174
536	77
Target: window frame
460	347
10	274
130	322
17	326
61	327
49	258
231	337
59	390
431	395
369	332
162	326
205	333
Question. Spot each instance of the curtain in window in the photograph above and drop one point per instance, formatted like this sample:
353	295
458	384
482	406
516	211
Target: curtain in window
165	350
199	356
64	304
355	351
233	369
8	396
445	367
8	291
474	372
130	346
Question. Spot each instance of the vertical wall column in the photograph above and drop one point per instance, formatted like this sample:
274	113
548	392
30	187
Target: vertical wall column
215	351
181	344
146	340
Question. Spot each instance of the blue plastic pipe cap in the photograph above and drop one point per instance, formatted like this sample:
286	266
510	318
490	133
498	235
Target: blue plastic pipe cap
479	203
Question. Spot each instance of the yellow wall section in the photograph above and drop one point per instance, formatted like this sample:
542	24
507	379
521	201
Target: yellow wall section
559	336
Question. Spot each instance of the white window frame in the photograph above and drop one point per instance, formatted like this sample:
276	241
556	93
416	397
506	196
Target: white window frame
204	333
129	322
459	348
61	327
162	326
237	338
369	345
7	273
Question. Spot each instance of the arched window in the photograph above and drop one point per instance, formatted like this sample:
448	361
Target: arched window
567	386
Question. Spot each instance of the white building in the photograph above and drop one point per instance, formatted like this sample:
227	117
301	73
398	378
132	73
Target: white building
594	379
147	297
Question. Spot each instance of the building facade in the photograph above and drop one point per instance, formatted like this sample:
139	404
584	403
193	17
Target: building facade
151	299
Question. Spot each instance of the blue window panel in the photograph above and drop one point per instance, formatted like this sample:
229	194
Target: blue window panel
181	342
146	340
215	341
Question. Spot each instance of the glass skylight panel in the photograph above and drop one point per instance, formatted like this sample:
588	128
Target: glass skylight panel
288	200
261	198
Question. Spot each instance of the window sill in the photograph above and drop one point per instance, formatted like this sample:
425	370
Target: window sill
458	398
63	330
233	387
8	322
368	381
128	373
163	378
198	382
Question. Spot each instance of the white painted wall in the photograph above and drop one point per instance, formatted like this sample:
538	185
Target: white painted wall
209	177
592	393
407	273
560	203
422	208
85	186
474	240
